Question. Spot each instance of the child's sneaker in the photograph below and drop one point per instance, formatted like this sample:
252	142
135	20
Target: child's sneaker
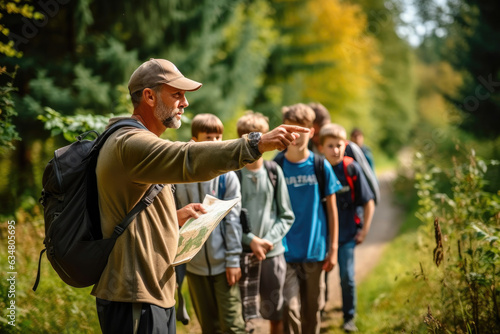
350	326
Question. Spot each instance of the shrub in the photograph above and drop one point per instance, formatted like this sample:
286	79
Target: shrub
465	219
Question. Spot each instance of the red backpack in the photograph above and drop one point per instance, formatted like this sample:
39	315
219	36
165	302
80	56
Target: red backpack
351	177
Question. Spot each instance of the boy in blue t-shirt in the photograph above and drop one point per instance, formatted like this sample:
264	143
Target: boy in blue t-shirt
352	230
311	244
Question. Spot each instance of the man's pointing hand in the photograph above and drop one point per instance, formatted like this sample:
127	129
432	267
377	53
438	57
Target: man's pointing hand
280	138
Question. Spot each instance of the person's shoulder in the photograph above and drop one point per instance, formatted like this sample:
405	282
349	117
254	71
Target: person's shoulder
231	178
132	136
229	174
327	165
278	169
353	167
337	169
356	166
361	177
366	149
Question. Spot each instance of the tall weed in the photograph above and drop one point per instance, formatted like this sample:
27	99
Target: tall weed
466	223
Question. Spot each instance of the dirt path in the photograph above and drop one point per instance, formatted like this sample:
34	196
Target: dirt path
385	226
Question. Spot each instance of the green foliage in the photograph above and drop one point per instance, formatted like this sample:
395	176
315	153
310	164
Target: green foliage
72	126
466	223
14	8
393	113
474	31
467	31
8	132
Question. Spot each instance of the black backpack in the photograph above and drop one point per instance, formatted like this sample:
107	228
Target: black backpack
73	238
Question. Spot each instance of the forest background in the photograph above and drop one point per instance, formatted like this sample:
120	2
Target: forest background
65	65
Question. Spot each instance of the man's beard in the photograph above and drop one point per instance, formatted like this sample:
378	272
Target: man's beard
167	115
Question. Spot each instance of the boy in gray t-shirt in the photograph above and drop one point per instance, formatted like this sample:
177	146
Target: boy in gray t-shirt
269	216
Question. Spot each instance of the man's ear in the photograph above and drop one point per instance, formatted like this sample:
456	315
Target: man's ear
149	97
194	139
320	149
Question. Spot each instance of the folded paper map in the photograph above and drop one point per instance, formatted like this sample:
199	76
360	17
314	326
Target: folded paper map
195	232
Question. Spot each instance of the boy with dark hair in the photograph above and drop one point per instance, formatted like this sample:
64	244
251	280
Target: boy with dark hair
352	231
269	218
213	273
311	243
322	118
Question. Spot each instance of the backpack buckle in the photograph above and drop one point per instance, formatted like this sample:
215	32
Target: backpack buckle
118	229
147	200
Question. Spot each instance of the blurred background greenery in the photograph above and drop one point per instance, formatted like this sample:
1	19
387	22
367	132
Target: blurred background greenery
413	75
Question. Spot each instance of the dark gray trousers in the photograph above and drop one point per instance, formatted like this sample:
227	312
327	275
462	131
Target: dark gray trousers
117	317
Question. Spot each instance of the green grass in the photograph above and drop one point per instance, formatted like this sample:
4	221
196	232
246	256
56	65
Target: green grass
54	307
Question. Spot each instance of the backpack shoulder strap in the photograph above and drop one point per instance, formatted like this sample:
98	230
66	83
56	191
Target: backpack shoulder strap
280	158
272	173
319	170
99	142
222	186
145	201
239	175
349	175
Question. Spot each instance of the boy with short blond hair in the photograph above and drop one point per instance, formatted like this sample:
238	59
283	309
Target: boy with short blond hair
352	231
252	122
311	243
269	217
214	271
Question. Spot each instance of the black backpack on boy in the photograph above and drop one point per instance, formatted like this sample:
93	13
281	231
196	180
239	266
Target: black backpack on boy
73	238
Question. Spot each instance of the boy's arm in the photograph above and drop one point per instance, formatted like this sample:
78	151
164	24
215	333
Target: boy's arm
285	218
369	209
333	229
233	230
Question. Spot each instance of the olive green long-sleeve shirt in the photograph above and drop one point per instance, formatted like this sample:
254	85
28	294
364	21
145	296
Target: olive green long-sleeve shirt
139	267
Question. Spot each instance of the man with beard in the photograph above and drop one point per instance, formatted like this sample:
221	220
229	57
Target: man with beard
135	293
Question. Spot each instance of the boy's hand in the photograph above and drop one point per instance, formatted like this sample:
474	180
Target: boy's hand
192	210
360	236
233	275
260	247
280	137
330	261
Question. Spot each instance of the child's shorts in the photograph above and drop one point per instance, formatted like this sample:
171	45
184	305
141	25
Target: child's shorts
272	281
